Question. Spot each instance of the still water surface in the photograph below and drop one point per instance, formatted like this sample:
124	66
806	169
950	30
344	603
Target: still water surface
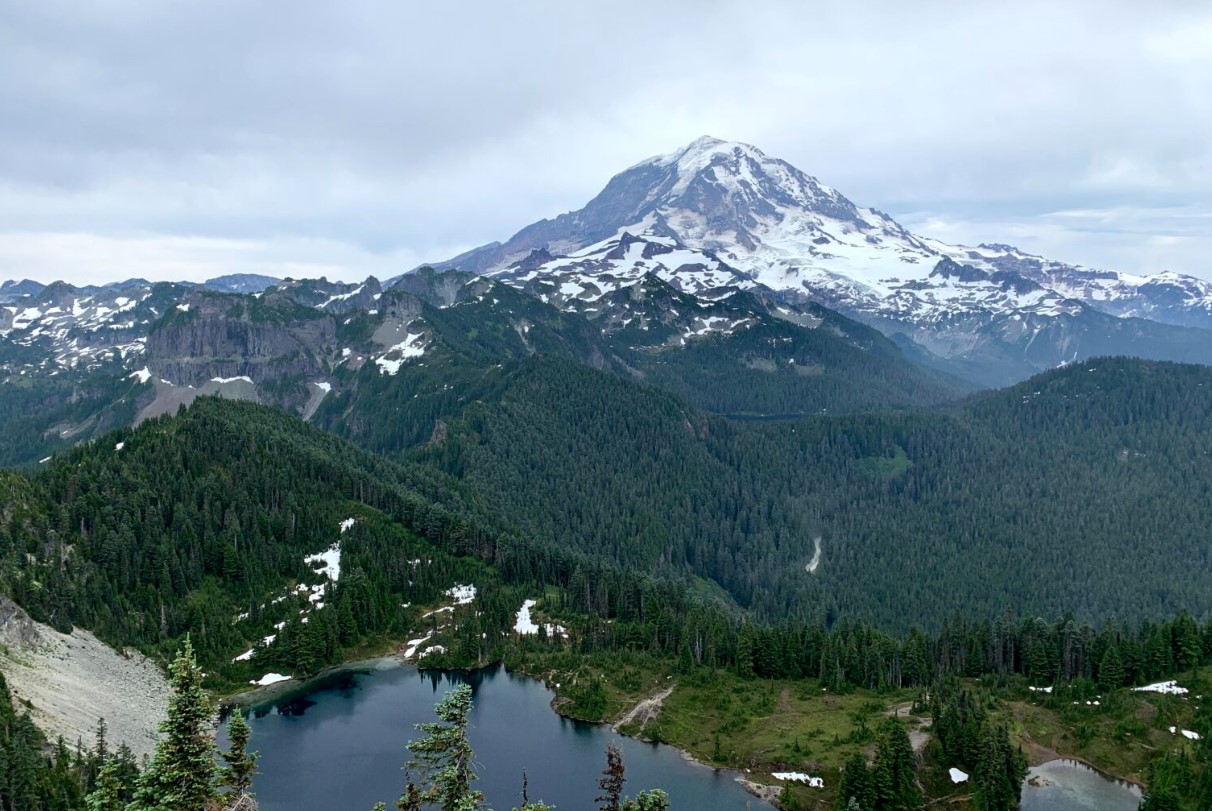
1069	785
340	746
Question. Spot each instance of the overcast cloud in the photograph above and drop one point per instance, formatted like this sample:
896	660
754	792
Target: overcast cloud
186	140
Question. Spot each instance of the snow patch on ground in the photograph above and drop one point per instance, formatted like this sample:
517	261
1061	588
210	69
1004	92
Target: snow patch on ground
143	375
413	644
1040	689
957	776
331	560
269	678
1168	688
410	347
347	525
1188	734
525	626
800	777
462	595
245	378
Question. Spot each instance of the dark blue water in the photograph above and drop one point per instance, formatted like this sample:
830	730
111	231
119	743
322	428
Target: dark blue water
1068	785
340	747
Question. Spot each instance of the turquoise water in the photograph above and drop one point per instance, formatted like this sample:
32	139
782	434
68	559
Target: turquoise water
340	745
1069	785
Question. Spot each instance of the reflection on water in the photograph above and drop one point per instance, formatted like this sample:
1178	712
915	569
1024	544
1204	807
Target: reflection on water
1069	785
341	745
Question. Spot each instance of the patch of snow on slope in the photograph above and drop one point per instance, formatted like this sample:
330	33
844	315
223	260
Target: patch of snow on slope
1188	734
143	375
1169	688
462	595
331	560
269	678
957	776
413	644
800	777
523	624
347	525
410	347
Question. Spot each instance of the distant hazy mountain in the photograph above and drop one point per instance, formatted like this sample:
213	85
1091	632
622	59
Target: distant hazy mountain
240	283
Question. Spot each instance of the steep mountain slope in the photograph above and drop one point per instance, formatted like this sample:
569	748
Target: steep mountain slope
79	361
273	543
725	213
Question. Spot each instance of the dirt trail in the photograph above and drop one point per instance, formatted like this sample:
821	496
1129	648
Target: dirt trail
919	734
646	710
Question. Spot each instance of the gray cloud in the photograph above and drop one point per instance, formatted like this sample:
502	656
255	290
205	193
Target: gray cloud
183	140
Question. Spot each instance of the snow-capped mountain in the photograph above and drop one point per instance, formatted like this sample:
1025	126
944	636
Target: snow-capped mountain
59	327
718	212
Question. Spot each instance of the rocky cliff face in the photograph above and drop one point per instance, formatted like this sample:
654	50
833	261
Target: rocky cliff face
276	344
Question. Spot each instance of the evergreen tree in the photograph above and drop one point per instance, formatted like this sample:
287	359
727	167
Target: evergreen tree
856	789
108	796
445	754
241	764
1111	669
612	780
894	776
181	774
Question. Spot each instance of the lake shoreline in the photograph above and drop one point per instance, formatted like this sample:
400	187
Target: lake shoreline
279	690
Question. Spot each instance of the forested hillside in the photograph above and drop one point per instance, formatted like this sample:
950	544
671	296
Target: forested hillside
1083	491
201	524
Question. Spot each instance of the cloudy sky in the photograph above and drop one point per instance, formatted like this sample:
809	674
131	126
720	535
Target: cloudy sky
185	140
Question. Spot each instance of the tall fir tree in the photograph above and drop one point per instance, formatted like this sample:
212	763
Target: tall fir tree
181	774
241	764
446	756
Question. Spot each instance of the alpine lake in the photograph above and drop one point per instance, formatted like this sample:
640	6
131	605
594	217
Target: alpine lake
337	743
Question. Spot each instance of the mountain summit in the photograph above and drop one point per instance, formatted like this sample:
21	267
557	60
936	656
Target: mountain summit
725	214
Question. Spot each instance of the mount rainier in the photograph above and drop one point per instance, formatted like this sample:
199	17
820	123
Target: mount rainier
719	214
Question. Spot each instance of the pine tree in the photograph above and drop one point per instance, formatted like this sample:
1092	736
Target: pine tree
241	764
895	779
1111	669
446	755
856	787
108	794
612	780
181	774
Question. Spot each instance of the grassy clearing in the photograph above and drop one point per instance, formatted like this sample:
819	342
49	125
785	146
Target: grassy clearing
757	727
1119	735
764	726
